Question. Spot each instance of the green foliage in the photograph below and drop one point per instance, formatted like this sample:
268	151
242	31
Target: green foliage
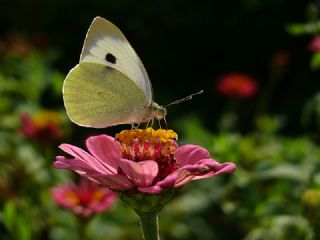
262	200
311	27
298	29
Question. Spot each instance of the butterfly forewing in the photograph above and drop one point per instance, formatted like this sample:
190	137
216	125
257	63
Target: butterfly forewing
106	44
99	96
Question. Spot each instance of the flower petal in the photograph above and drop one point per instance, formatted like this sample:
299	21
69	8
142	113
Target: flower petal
204	169
106	150
105	203
78	165
141	173
59	196
219	169
84	156
152	190
190	154
176	179
114	182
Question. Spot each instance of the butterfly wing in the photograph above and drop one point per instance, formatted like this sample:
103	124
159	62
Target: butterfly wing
99	96
106	44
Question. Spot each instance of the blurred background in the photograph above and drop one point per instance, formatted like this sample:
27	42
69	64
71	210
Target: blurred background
258	63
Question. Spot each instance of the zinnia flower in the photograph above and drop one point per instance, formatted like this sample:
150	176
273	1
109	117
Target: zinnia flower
145	161
237	85
42	127
85	199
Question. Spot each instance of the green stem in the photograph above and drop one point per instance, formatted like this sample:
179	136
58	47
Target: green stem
82	227
149	226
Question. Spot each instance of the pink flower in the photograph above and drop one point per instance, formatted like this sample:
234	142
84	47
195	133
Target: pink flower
43	127
314	45
146	161
237	85
85	199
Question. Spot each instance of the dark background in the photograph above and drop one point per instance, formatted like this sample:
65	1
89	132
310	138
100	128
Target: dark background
186	46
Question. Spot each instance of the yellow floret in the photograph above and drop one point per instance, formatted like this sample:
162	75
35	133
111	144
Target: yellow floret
146	135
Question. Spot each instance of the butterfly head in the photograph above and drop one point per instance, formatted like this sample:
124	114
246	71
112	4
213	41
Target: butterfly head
157	111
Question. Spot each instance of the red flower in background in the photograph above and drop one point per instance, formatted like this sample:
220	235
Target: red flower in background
21	45
85	199
237	85
42	127
314	45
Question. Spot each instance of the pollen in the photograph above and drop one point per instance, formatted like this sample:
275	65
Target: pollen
72	198
150	135
99	195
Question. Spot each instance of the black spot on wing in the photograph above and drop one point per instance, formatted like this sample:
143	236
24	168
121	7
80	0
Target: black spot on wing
111	58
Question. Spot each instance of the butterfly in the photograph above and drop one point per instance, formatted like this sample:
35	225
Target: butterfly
110	85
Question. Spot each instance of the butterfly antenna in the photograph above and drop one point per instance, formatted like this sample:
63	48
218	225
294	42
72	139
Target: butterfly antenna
187	98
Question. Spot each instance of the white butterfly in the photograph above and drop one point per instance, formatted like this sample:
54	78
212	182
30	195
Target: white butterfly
110	85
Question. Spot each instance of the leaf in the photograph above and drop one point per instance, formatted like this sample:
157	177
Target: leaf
9	215
285	170
24	230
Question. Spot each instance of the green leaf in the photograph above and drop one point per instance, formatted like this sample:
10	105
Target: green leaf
9	215
24	230
284	171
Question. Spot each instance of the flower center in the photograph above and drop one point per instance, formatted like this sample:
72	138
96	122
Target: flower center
149	144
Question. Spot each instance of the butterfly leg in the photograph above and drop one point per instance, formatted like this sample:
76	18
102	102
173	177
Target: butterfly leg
152	122
165	121
148	122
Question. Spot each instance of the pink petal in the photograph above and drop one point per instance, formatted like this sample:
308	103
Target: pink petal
151	190
208	168
102	205
106	150
141	173
84	156
190	154
114	182
59	196
75	164
176	179
204	169
223	168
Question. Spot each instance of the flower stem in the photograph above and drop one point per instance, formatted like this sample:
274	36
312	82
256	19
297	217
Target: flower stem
149	226
82	227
